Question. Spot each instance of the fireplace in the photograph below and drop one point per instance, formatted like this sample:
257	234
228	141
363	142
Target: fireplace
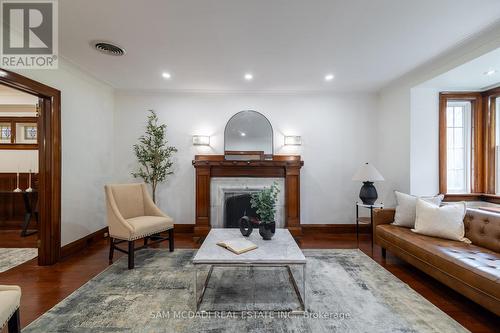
216	176
236	191
237	205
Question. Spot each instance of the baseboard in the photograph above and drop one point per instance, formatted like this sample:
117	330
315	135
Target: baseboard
184	228
308	229
82	243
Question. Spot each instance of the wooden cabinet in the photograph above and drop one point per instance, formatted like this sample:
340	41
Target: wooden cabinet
12	208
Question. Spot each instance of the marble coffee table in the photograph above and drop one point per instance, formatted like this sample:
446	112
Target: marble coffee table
281	251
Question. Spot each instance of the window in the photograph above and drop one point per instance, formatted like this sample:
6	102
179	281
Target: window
26	132
469	144
5	132
18	133
461	143
458	146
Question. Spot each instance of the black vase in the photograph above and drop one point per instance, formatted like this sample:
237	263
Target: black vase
267	230
368	193
246	226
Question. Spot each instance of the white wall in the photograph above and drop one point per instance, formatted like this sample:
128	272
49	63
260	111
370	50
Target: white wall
337	133
424	141
393	143
87	107
12	161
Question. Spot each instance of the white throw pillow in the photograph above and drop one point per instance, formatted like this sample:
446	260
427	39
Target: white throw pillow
406	207
444	222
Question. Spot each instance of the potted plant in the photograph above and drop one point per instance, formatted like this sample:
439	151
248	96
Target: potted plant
154	154
265	203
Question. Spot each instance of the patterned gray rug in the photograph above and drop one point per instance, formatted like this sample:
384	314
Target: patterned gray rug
346	292
12	257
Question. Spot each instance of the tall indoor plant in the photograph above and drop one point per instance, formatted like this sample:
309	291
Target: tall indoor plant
265	203
154	154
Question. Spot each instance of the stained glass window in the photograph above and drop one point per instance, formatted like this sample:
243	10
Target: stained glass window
30	132
5	133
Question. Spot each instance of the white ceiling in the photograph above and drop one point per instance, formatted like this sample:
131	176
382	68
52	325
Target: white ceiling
288	45
469	76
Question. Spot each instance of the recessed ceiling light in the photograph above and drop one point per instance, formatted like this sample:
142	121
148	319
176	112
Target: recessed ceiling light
329	77
248	76
243	134
166	75
490	72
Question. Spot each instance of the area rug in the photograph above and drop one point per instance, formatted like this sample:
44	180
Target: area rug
12	257
346	292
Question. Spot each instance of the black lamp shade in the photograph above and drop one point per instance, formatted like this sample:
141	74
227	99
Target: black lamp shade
368	193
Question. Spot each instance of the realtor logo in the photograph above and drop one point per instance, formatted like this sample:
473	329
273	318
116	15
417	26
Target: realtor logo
29	34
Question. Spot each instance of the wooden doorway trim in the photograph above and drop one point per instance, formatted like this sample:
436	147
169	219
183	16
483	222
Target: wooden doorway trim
49	163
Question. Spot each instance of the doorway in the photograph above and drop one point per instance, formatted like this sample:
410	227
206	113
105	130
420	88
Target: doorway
32	143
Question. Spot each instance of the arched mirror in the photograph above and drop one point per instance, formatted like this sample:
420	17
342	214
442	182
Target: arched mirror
248	134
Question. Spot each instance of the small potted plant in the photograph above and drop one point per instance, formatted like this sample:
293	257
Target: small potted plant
265	203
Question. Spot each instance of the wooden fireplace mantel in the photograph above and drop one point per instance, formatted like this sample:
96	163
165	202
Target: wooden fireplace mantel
285	166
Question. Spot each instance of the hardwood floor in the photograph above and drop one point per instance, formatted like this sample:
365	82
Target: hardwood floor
44	287
12	238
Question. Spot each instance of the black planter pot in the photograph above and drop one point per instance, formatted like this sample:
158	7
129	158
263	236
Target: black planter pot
368	193
267	230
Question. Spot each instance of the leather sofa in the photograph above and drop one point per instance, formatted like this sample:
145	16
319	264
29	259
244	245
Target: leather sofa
471	269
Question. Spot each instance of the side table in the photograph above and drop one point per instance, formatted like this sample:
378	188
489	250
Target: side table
365	220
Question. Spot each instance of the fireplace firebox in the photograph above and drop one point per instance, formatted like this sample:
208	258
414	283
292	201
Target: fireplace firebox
236	206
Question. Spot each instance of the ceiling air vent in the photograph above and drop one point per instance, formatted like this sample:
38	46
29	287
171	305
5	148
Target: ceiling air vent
109	49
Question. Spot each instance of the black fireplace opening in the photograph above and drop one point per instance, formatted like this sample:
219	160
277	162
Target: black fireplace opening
237	206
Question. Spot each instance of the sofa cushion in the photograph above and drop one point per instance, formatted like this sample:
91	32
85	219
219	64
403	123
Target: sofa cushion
406	208
483	228
476	266
444	222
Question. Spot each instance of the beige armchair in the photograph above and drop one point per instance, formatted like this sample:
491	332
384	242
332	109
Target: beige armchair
10	299
132	215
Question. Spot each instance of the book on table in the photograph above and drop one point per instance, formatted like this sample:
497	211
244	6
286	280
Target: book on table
238	246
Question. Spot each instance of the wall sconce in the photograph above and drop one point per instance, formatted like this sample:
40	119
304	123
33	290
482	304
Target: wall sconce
201	140
293	140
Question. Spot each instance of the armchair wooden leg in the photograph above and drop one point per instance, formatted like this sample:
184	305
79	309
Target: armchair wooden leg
384	253
171	240
130	254
111	249
14	324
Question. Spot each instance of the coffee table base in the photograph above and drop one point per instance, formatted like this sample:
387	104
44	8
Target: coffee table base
300	296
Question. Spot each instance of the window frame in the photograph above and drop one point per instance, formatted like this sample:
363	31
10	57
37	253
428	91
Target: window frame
476	178
489	97
467	147
13	135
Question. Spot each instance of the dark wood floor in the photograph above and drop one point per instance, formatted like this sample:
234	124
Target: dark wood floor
43	287
12	238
